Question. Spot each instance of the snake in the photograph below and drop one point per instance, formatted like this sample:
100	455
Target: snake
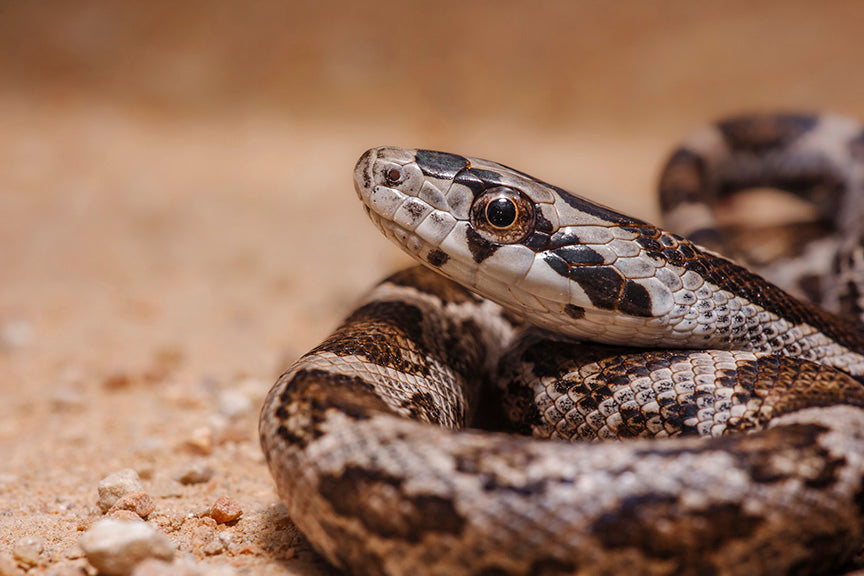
559	388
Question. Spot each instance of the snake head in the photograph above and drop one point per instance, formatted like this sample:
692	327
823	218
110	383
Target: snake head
548	255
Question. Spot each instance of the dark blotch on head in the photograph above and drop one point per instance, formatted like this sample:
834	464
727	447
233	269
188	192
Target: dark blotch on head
557	264
540	221
573	311
489	177
594	209
561	238
537	241
602	284
479	247
472	182
440	164
437	258
578	255
635	301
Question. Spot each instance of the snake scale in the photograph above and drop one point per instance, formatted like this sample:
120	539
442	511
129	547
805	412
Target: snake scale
454	423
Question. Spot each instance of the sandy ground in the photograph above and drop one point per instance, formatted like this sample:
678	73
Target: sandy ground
177	221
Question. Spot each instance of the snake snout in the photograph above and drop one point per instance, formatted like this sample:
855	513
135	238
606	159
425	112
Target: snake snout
363	173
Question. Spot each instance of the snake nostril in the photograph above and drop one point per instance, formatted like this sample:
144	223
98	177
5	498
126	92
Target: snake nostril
393	174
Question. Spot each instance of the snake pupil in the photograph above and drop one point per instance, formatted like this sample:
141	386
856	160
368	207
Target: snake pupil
501	212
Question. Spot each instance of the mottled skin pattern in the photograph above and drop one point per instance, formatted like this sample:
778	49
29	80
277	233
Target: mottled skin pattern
743	419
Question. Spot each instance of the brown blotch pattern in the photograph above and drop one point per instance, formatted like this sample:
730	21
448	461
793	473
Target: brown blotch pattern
318	391
447	291
685	535
398	514
386	333
761	133
738	280
684	180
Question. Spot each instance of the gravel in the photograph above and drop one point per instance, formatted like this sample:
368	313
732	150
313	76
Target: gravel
28	551
225	510
115	547
117	485
195	473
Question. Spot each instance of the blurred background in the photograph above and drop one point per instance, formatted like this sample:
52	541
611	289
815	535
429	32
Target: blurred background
164	147
175	177
180	171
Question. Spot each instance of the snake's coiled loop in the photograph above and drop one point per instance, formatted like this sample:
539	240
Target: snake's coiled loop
743	418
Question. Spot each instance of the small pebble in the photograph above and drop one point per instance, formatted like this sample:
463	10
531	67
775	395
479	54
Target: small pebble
225	510
234	404
205	540
195	473
15	334
74	552
117	485
125	515
67	396
138	502
115	547
229	430
186	567
27	550
201	441
8	566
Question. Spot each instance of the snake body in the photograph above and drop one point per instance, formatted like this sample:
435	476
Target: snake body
542	313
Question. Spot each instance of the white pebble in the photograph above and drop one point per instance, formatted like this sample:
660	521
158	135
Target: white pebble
185	567
195	473
27	550
8	566
115	486
233	404
115	547
16	334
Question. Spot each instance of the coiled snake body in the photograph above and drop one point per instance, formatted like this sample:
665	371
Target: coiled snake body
742	408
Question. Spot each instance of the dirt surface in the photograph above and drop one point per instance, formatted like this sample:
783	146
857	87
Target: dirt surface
177	221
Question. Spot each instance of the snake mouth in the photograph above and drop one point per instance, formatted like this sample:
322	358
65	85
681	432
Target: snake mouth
381	202
410	242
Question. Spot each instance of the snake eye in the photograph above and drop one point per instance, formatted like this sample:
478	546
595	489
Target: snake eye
393	174
502	215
